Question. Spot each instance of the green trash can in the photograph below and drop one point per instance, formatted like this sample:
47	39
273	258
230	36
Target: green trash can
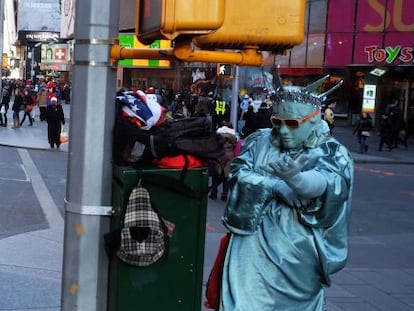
175	282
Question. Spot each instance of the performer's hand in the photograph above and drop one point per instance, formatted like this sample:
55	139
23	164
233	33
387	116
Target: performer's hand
288	195
286	167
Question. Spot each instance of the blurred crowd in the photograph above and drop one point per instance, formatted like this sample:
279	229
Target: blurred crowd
28	100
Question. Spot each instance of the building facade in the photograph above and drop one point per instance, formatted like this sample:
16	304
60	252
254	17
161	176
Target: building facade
364	42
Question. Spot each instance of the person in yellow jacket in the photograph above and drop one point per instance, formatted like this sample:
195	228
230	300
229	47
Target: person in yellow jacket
330	116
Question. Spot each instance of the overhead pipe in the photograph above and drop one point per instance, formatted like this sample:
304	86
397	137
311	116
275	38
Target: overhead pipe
249	56
183	51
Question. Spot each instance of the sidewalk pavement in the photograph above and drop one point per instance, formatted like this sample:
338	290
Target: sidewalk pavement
30	263
30	137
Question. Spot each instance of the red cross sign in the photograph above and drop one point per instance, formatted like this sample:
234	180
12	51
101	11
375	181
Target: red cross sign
60	54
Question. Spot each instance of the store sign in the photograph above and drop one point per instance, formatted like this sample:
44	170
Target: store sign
389	54
368	101
393	15
54	53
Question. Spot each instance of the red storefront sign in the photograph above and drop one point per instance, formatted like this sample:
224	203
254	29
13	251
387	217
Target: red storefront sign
389	54
376	32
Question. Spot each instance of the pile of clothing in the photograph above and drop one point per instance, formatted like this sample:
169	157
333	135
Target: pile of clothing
139	109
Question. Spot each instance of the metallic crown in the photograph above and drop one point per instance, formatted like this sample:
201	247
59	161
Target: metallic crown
304	95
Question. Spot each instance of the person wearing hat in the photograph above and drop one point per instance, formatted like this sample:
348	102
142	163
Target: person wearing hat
51	92
55	118
288	210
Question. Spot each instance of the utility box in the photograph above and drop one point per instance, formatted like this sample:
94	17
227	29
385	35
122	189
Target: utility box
175	281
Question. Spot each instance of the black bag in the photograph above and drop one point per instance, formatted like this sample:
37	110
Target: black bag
182	136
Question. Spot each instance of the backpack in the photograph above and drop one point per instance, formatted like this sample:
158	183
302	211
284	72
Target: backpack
191	136
143	238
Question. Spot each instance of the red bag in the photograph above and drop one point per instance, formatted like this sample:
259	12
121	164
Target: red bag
180	161
29	108
213	286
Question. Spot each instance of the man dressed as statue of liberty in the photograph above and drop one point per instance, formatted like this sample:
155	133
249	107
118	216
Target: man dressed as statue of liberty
288	209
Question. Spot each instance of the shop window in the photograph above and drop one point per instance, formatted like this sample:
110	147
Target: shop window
316	46
338	49
298	55
317	13
341	16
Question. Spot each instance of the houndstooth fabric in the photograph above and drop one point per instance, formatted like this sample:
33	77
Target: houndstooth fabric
141	215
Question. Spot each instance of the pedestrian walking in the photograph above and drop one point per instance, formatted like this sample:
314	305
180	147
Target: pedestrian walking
55	119
218	176
28	106
396	119
385	132
4	106
363	131
288	211
17	106
41	101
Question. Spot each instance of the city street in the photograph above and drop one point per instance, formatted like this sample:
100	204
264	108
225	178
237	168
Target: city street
378	276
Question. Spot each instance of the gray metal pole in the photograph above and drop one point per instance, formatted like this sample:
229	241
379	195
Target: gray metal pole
88	192
235	98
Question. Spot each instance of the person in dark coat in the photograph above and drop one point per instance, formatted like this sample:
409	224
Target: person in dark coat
385	132
249	122
17	105
55	118
263	117
363	131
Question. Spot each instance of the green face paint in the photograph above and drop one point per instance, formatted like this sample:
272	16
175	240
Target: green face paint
307	119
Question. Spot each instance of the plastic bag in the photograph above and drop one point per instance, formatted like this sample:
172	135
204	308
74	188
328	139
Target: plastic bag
64	137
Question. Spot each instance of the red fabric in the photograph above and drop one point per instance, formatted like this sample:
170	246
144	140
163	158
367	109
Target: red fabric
238	147
213	287
179	161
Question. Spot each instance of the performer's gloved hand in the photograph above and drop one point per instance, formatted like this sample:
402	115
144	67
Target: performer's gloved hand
286	167
287	194
307	184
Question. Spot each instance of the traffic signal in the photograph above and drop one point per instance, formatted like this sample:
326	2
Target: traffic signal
167	19
223	69
274	25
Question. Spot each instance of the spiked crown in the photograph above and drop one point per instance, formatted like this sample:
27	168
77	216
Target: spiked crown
304	95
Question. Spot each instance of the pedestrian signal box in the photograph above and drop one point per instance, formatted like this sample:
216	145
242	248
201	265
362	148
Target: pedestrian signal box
274	25
167	19
223	69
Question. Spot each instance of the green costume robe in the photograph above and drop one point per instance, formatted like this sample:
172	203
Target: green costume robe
279	257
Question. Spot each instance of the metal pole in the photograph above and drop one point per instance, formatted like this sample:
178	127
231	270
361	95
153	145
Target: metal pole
88	192
235	98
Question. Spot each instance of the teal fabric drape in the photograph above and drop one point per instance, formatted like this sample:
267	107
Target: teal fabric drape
279	256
